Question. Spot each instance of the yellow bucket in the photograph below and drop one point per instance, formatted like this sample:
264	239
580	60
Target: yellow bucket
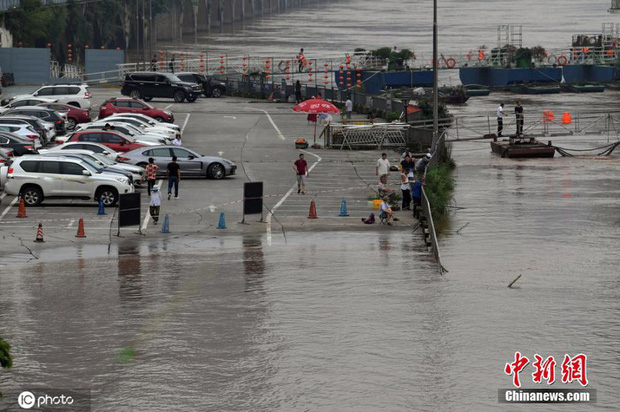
376	204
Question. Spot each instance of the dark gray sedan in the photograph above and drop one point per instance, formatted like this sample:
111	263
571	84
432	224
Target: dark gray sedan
191	162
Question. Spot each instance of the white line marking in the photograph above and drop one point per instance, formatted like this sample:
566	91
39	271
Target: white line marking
147	215
71	223
291	190
2	196
230	117
167	107
280	135
185	124
8	208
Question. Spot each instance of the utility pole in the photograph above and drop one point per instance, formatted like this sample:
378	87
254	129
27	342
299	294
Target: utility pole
435	79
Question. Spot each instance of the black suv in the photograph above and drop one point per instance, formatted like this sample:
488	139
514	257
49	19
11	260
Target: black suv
210	87
146	85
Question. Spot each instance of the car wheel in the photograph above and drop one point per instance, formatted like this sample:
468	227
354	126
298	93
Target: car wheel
147	99
216	171
159	119
141	164
71	123
33	196
75	104
217	92
109	196
191	99
135	94
179	96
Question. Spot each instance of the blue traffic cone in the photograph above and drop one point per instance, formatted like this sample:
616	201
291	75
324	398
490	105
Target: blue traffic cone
222	222
343	208
166	226
101	210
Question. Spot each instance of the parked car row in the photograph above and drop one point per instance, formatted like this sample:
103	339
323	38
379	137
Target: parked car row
178	86
98	159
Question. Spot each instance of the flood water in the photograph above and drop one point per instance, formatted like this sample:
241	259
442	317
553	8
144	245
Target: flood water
338	321
342	25
349	321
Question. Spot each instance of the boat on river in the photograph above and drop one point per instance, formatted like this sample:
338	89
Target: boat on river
519	148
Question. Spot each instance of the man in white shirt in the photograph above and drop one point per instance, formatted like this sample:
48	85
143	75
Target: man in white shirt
349	108
177	140
500	119
383	167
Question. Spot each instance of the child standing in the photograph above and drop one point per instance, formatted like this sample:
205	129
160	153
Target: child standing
155	203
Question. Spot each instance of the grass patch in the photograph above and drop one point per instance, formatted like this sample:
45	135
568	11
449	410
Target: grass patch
439	187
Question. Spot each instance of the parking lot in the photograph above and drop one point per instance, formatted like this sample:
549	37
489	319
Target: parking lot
259	137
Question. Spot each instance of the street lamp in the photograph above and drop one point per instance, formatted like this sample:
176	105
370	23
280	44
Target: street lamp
435	80
405	100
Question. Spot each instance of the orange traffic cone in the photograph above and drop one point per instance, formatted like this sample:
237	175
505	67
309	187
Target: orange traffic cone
21	211
80	232
40	234
312	214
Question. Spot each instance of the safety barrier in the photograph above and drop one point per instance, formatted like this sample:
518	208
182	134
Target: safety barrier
426	206
378	135
475	126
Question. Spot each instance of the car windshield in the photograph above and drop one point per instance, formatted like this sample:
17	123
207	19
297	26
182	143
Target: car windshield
173	78
103	159
91	163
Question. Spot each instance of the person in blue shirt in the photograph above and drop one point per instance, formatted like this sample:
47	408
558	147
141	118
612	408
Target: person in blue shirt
416	195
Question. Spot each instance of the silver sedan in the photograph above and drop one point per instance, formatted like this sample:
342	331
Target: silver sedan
191	162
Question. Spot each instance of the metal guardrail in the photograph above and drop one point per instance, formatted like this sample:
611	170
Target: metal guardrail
377	135
426	206
474	126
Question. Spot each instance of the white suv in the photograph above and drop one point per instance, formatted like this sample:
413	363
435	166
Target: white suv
42	177
74	94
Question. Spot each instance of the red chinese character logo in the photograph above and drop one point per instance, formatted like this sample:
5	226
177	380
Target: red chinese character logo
544	369
516	367
574	369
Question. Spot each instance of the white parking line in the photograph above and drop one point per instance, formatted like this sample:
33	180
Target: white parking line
8	208
291	190
280	135
2	196
185	124
167	107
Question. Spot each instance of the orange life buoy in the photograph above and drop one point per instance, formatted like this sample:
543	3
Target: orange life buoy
562	60
450	63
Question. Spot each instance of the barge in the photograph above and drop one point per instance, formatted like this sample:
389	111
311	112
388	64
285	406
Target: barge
520	148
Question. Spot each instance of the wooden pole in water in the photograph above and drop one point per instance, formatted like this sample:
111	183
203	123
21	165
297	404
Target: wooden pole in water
514	281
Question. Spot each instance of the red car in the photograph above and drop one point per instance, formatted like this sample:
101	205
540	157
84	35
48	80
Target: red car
113	140
74	114
128	105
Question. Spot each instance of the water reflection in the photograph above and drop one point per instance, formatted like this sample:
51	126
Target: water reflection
253	264
129	273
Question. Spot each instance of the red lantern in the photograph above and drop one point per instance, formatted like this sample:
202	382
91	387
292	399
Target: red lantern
102	47
341	83
20	44
49	45
87	47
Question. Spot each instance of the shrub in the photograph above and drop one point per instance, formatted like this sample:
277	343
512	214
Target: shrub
438	187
